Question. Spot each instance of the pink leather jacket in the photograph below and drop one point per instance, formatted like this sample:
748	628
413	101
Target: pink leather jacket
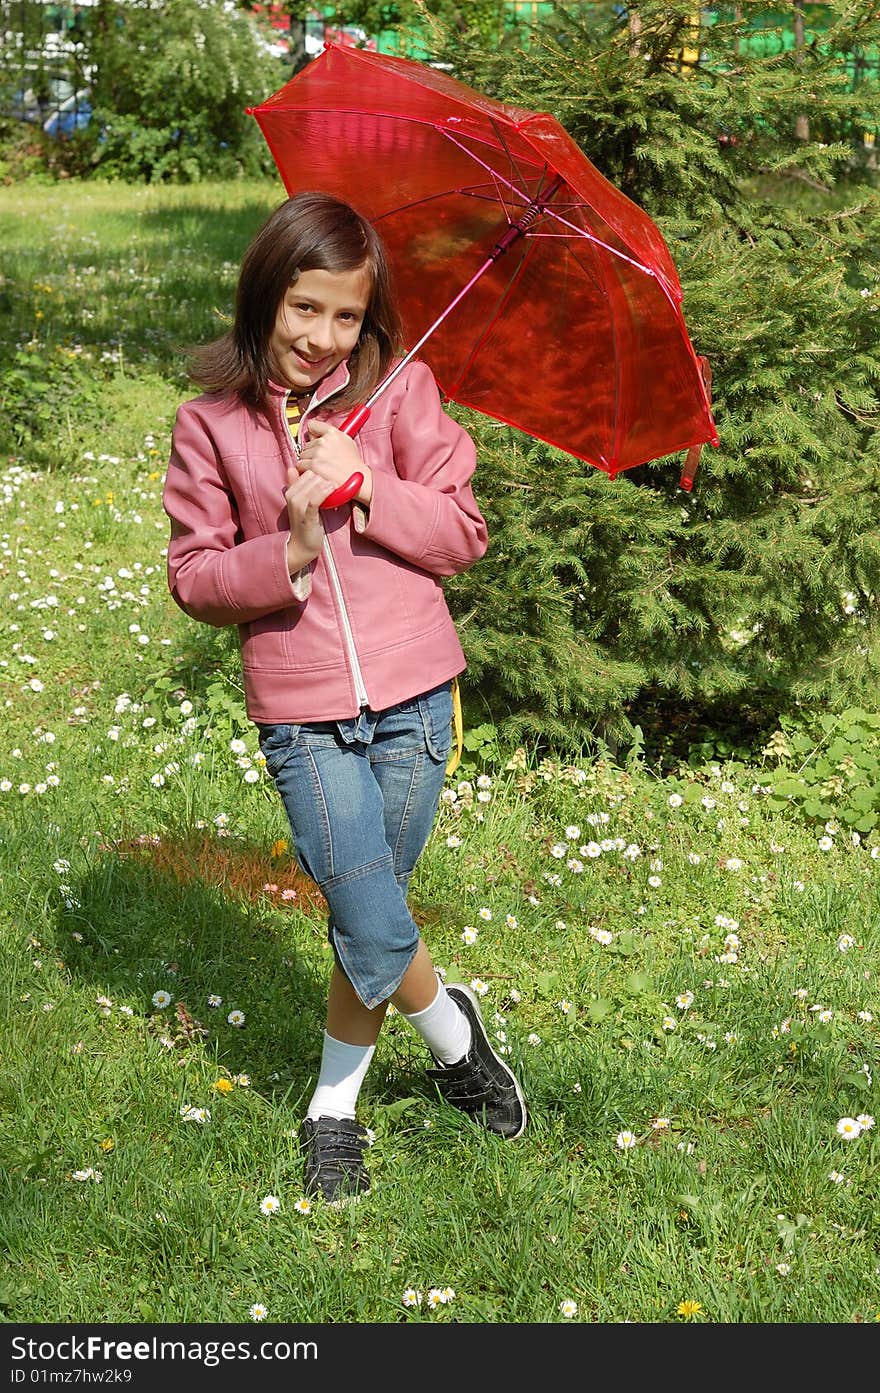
367	622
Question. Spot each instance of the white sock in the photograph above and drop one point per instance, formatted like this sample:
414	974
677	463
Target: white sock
343	1068
444	1028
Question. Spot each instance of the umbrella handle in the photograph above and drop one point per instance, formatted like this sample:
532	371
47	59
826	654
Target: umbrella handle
350	426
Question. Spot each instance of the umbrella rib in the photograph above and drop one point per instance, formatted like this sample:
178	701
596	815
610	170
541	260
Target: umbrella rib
515	168
591	237
550	212
539	167
593	274
433	197
494	174
492	321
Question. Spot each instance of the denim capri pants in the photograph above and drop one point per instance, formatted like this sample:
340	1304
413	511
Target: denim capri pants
361	796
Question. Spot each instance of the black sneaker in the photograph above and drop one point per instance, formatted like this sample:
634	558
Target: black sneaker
481	1084
334	1164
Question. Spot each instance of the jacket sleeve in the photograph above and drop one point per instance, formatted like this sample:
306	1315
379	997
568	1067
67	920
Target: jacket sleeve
213	574
425	511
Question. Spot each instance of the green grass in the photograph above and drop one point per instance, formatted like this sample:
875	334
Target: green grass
136	858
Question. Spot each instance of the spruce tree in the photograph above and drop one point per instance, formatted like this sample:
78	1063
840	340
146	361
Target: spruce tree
603	604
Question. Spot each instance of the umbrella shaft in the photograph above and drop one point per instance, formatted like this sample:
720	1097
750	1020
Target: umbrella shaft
386	382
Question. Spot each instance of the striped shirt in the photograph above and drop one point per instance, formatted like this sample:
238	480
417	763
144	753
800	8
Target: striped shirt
294	408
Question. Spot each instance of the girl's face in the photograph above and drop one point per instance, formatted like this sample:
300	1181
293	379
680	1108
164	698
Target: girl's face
317	325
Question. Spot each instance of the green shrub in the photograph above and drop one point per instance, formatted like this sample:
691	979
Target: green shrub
40	393
827	768
169	94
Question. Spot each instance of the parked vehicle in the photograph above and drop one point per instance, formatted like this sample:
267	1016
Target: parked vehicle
56	107
71	115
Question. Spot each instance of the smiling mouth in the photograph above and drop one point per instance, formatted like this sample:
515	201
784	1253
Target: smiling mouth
312	362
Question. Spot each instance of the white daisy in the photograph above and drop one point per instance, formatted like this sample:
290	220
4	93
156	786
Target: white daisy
848	1128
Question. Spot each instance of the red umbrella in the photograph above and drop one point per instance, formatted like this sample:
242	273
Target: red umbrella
536	291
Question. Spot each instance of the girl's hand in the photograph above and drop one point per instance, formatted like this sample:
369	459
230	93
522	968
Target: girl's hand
304	494
335	457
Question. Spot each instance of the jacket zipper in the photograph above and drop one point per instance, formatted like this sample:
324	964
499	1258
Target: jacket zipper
360	686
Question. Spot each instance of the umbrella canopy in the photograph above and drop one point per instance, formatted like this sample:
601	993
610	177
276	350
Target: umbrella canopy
573	330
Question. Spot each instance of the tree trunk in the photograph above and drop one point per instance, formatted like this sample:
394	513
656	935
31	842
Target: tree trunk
297	11
634	22
802	125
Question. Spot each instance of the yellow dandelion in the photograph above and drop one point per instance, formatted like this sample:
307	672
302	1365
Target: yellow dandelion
107	1144
279	847
689	1309
223	1086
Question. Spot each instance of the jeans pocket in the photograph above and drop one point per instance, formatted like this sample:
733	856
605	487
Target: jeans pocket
436	712
277	744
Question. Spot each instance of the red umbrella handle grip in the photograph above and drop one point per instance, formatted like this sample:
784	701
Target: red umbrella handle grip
350	426
344	493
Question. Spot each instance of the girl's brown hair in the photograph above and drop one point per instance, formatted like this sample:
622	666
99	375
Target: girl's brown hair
309	232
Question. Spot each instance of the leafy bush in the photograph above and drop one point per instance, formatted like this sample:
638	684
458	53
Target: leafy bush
40	391
828	768
170	89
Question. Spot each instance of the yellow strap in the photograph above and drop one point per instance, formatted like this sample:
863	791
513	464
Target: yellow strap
458	726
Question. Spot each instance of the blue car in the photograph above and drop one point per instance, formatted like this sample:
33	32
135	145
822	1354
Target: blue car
72	115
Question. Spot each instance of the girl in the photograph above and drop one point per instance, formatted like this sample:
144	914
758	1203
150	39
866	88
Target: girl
348	649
